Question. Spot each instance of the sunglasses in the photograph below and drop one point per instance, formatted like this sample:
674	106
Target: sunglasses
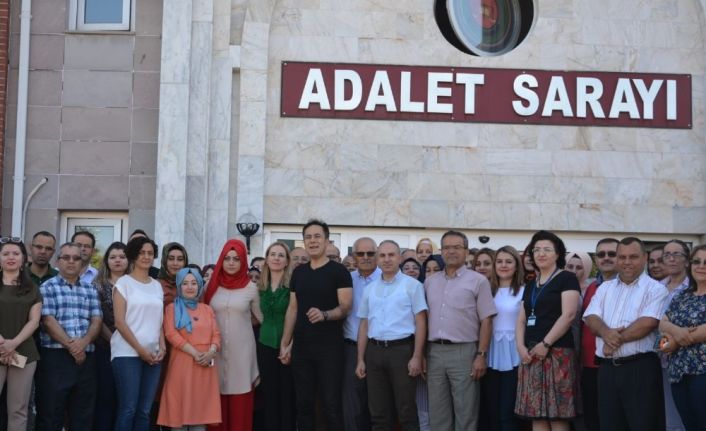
697	262
365	253
602	254
10	239
68	258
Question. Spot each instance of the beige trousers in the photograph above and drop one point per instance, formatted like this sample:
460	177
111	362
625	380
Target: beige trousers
19	388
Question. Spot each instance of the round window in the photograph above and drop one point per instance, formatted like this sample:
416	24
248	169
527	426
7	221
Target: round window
484	27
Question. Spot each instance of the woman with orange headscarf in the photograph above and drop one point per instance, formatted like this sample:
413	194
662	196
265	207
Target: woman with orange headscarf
234	299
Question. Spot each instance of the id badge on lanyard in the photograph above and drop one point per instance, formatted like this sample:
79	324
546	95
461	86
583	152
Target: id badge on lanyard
532	320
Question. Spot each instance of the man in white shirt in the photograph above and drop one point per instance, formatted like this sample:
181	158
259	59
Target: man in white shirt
355	391
391	339
623	315
86	241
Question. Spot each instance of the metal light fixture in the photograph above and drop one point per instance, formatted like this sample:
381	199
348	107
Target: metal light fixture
247	226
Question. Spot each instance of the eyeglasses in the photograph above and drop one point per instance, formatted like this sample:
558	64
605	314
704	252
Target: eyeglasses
675	255
42	247
545	250
697	262
602	254
365	253
456	247
10	239
68	258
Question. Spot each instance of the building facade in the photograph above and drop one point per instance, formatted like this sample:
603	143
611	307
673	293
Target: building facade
175	126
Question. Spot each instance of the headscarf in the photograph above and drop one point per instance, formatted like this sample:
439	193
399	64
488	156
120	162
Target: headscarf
163	273
436	258
181	314
587	263
219	278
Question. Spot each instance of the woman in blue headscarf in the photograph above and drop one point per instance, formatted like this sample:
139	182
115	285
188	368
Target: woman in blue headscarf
190	398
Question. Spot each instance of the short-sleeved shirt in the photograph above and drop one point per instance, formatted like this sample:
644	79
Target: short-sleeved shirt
360	282
144	313
72	305
457	305
318	288
618	305
547	307
14	314
391	306
687	310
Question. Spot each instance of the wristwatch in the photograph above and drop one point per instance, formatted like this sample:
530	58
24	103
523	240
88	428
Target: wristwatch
481	353
547	345
325	313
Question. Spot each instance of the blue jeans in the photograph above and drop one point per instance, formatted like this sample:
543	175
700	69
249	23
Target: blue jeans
688	395
136	384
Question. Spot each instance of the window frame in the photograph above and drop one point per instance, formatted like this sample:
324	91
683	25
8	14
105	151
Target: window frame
77	13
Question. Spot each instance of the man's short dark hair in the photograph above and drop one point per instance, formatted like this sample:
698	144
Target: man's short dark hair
316	222
132	251
607	241
393	243
634	240
138	232
657	248
455	233
85	233
44	233
256	259
68	244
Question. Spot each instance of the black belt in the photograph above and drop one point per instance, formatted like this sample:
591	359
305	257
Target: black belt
442	341
349	341
390	343
624	360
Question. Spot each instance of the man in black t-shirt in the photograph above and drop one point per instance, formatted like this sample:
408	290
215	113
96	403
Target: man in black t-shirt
320	299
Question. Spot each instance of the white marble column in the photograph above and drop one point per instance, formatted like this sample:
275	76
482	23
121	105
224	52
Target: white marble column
174	92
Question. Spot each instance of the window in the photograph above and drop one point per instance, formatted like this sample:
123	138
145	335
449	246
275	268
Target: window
106	227
99	15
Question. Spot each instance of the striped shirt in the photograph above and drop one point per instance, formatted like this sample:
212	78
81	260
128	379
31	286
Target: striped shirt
619	305
72	306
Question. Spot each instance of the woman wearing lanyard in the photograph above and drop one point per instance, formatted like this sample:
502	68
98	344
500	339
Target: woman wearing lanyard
547	384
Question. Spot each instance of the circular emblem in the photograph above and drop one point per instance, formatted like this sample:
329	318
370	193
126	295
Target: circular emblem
484	27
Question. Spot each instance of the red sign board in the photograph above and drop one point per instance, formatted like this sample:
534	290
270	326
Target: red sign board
426	93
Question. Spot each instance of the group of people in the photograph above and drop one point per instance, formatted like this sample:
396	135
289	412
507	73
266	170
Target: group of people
446	338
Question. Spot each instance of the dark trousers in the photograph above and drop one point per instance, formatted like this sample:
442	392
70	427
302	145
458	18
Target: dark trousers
689	395
589	393
355	393
317	367
391	387
499	391
277	390
630	396
65	388
106	403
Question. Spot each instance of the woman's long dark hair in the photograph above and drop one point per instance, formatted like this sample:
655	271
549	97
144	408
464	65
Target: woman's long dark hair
24	282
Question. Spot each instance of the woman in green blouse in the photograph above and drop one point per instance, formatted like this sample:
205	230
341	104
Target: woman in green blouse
20	311
276	384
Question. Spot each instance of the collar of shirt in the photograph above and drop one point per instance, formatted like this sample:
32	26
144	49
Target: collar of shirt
459	272
89	270
634	283
377	273
394	279
684	283
66	282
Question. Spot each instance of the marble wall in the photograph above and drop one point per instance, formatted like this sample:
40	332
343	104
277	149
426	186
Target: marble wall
398	174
